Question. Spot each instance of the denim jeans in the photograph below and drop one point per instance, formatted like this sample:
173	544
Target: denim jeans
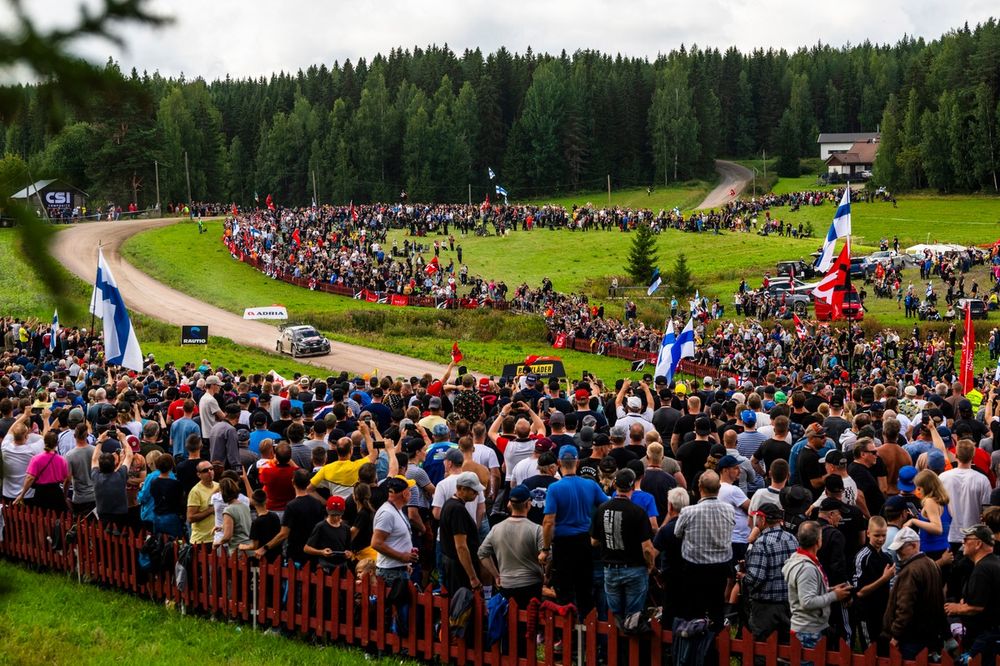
808	639
626	589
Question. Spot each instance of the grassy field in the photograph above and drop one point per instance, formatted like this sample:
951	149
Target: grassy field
684	195
51	619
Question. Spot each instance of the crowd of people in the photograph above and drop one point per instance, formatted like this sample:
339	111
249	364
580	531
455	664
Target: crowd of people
788	501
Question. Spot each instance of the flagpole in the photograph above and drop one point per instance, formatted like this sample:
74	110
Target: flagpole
92	324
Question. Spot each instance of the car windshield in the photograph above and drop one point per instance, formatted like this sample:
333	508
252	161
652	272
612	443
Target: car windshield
306	333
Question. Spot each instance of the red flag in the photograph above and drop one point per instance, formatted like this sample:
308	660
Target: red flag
967	371
800	329
269	202
235	210
456	354
297	237
432	267
353	212
560	342
833	287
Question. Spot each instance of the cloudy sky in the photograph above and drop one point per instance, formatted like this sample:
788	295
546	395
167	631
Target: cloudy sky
211	38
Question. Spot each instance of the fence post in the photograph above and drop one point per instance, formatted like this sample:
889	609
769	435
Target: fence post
254	571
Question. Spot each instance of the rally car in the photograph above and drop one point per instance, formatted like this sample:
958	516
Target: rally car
301	340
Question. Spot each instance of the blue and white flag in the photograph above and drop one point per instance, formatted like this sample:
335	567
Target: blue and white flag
501	191
121	347
54	331
654	283
490	171
841	228
673	349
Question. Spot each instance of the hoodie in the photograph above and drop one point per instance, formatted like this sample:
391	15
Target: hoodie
809	594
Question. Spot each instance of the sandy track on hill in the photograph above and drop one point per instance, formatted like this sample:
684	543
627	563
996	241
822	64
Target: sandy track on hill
76	249
735	179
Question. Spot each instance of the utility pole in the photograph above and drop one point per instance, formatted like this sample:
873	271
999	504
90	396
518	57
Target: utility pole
156	170
764	154
187	172
609	189
470	194
315	198
677	113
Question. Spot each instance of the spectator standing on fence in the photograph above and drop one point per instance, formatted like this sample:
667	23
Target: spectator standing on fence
809	592
569	505
622	531
706	531
200	512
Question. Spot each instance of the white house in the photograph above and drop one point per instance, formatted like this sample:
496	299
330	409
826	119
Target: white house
834	142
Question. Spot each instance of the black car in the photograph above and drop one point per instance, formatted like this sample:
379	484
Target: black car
798	269
977	307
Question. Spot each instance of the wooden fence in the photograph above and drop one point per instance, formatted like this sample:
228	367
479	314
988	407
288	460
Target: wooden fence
339	609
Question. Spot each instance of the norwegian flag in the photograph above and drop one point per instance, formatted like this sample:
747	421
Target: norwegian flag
433	267
800	328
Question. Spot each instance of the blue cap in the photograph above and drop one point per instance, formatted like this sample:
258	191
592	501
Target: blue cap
769	404
749	417
944	431
440	429
568	452
808	379
935	461
905	480
725	462
520	494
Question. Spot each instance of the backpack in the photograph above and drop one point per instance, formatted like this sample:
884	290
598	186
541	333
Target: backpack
496	618
692	641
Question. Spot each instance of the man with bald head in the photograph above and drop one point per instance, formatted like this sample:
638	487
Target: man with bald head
705	530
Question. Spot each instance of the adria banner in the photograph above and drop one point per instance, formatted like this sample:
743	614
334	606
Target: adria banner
269	312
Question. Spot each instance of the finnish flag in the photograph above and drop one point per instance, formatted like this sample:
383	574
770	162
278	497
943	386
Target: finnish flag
501	191
54	331
490	172
840	228
654	282
121	347
673	349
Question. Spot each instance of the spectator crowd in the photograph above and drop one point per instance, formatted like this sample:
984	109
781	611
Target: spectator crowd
787	501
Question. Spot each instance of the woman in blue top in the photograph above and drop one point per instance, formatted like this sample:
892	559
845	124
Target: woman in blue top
935	518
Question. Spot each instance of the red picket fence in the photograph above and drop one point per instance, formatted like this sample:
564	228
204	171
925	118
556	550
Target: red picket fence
339	609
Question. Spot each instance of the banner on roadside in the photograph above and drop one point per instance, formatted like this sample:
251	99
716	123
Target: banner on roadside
268	312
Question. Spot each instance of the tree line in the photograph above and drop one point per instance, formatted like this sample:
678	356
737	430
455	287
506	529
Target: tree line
431	122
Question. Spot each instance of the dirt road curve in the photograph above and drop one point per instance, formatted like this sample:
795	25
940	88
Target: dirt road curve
735	178
76	248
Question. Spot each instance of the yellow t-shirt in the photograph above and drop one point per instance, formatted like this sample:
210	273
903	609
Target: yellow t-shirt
342	473
200	498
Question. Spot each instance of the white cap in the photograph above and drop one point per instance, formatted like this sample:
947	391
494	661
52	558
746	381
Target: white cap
634	402
903	537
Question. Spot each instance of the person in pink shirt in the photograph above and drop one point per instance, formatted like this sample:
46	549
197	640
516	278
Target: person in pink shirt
48	474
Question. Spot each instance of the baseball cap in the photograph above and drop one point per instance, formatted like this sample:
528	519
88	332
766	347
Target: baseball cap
76	415
905	479
816	430
808	379
726	462
935	461
520	494
285	405
468	480
532	378
557	419
795	499
440	429
770	511
454	456
618	431
707	381
582	394
434	403
910	391
543	444
835	458
484	384
680	389
981	532
396	484
749	417
634	402
624	479
213	380
568	452
335	504
830	504
905	536
412	445
586	435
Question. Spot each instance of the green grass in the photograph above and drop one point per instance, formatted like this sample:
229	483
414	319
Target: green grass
685	196
800	184
51	619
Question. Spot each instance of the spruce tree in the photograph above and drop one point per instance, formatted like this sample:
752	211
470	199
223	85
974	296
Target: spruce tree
642	257
680	278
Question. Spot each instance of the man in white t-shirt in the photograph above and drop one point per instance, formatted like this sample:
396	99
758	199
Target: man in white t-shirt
443	491
19	446
208	406
968	489
728	469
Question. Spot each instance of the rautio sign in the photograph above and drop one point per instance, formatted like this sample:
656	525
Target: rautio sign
269	312
194	335
55	199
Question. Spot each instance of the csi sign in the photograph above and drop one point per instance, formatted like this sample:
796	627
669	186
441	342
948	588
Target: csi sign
194	335
58	199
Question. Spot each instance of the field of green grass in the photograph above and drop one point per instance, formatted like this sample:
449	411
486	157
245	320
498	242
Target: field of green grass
684	195
51	619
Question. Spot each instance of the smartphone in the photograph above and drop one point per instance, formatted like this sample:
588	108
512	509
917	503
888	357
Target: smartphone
36	410
378	444
462	370
583	376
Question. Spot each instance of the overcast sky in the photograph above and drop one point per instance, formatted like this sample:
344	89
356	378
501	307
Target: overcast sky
211	38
